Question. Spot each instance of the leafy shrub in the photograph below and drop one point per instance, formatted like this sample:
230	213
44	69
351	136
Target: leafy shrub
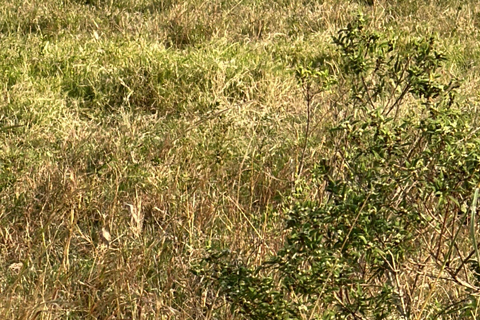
403	166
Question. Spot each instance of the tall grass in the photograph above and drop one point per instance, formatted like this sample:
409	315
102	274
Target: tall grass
173	126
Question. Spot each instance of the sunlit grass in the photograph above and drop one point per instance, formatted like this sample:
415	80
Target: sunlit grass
190	113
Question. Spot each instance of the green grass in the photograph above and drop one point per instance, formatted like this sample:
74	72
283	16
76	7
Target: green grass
189	111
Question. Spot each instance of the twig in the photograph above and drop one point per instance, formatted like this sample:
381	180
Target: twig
308	99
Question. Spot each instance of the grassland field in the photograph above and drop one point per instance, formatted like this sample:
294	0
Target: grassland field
136	134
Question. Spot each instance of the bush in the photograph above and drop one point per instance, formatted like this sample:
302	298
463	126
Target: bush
403	166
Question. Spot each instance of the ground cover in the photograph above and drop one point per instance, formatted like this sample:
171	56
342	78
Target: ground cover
138	137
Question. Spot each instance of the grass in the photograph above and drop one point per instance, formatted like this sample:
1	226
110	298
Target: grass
174	126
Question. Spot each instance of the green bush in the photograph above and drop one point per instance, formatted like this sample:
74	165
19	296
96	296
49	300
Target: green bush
403	163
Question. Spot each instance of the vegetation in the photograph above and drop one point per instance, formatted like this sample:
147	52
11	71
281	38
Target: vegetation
228	160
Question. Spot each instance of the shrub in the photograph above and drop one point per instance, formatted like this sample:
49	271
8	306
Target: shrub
403	165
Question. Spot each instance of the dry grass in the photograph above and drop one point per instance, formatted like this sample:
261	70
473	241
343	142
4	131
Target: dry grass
136	134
